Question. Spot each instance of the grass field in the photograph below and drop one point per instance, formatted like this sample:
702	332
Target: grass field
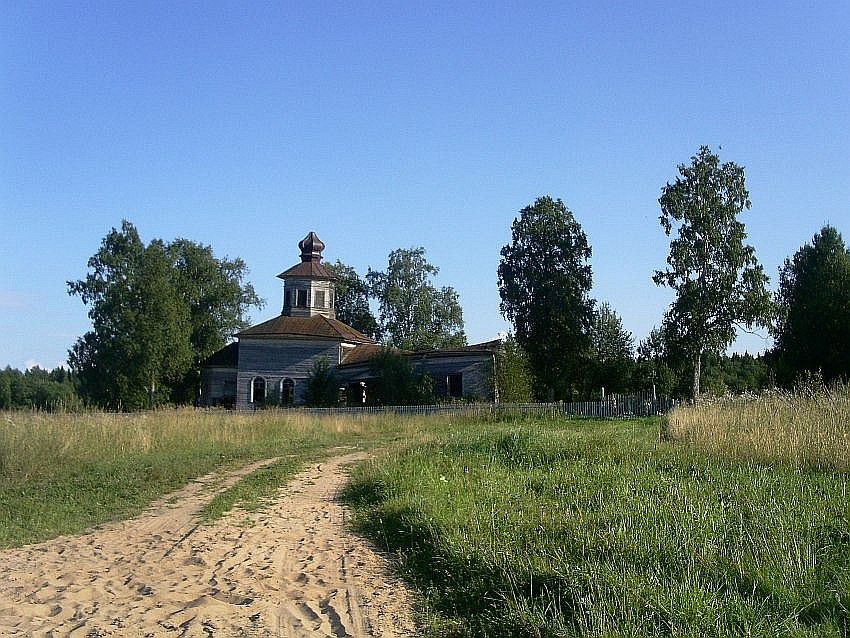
61	474
601	529
731	519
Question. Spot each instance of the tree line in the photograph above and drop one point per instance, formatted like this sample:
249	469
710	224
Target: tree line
159	309
574	345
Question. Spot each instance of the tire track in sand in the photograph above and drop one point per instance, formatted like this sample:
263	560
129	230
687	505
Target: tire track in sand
290	570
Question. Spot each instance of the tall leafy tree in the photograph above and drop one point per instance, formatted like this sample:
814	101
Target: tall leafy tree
414	313
139	344
217	296
156	311
812	328
352	300
611	350
544	284
718	282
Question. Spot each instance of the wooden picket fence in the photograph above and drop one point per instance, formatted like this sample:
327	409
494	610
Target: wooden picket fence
612	407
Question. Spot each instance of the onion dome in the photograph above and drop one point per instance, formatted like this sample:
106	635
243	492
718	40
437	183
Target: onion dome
311	247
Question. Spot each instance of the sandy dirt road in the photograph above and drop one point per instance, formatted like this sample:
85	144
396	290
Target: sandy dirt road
289	570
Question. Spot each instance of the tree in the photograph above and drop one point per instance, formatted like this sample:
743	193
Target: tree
139	344
654	366
396	382
217	296
514	378
352	301
812	326
414	314
6	389
611	350
544	284
38	389
322	386
718	282
156	311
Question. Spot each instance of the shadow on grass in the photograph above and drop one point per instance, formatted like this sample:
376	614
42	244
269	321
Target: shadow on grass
464	597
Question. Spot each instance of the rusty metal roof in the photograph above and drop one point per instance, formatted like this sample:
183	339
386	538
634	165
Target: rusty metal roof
366	352
362	354
313	269
316	326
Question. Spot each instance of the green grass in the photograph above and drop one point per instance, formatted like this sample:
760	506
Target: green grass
508	528
597	529
252	491
63	474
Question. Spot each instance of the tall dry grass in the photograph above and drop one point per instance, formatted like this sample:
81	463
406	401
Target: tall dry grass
807	429
62	473
34	444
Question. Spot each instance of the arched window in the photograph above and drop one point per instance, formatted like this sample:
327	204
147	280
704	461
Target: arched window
287	392
258	391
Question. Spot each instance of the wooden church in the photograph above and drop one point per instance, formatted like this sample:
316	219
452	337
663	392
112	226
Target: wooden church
271	362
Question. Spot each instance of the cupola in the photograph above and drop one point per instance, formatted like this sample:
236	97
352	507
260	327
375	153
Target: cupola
308	287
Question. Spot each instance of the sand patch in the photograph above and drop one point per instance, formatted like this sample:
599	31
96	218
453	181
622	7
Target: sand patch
288	570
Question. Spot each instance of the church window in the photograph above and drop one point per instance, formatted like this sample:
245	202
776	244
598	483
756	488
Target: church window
258	391
455	385
287	392
301	298
320	299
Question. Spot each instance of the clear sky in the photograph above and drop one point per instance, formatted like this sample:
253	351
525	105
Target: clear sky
244	125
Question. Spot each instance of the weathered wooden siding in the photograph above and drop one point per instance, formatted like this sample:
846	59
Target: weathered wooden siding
476	370
218	387
278	359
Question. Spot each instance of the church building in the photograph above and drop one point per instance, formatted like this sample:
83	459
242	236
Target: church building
272	361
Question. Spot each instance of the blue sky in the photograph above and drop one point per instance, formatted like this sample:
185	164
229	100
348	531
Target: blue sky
380	126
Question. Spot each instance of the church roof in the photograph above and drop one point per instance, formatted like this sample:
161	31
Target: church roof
362	354
315	326
366	352
227	357
313	269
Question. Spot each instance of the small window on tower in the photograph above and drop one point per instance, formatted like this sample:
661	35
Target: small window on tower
301	298
320	299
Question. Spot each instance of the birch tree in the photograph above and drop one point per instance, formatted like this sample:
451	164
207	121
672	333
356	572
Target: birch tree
719	284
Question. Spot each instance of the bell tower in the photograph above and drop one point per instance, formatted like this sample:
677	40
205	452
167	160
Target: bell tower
308	287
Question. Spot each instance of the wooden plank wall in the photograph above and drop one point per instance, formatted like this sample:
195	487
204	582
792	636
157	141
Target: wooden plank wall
275	360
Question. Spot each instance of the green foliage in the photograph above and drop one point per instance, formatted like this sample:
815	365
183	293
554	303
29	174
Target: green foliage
812	329
715	275
544	284
217	296
415	315
139	345
352	300
611	351
6	389
396	383
322	386
39	389
599	530
655	366
514	376
738	374
156	312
